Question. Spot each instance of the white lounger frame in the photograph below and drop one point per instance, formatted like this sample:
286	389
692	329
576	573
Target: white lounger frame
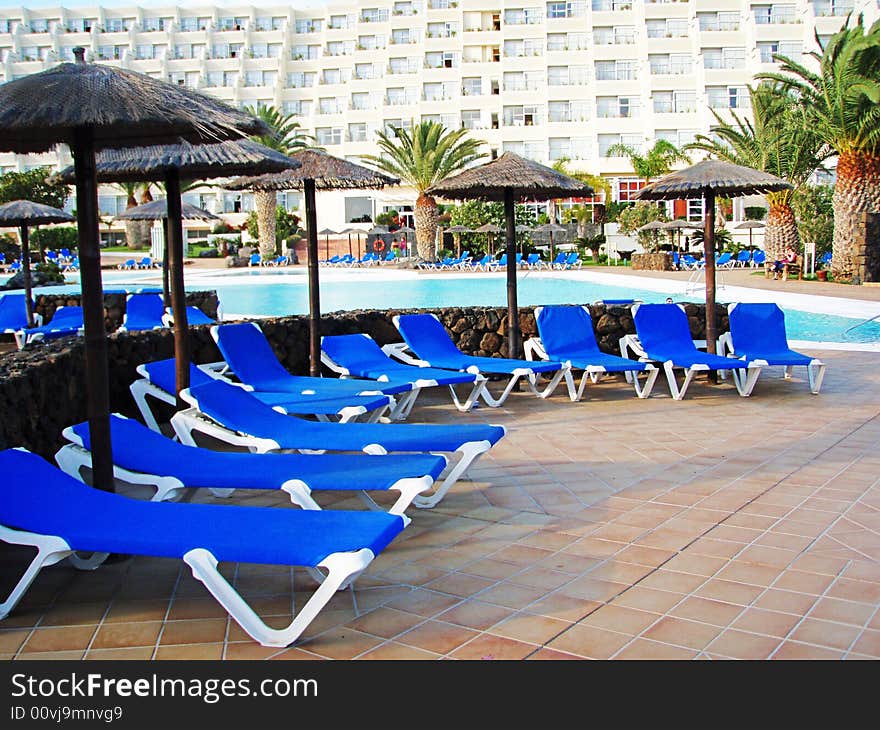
73	458
341	568
192	420
534	350
402	352
744	383
418	383
815	368
142	388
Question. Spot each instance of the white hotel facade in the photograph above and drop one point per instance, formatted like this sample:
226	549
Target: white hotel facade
546	79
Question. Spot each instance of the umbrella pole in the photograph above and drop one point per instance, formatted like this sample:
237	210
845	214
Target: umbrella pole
709	255
314	294
97	370
327	246
178	295
513	335
349	244
26	274
166	285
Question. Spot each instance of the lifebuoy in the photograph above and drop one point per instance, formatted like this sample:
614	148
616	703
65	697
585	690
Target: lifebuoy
379	244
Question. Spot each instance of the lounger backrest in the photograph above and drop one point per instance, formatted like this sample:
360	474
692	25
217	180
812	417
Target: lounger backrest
758	327
134	445
759	257
66	317
144	310
195	316
12	311
662	326
163	374
237	409
566	329
249	354
357	353
426	336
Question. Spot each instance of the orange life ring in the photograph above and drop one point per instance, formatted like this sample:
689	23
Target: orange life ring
379	244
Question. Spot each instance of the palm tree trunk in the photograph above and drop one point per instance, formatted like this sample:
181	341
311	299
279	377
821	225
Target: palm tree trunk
426	226
264	204
782	231
857	191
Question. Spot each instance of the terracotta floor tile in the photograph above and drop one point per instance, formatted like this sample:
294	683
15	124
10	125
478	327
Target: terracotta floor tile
74	614
340	643
139	653
648	599
825	633
195	608
196	631
44	656
590	642
868	643
12	639
620	618
844	612
788	601
541	578
756	575
198	652
385	622
798	580
681	632
729	591
793	650
706	610
671	580
695	563
437	637
511	595
487	646
564	607
150	610
644	649
391	650
423	602
529	628
475	614
591	589
121	635
65	638
770	623
742	645
855	590
553	655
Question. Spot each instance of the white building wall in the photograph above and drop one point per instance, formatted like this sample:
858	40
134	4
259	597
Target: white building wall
545	79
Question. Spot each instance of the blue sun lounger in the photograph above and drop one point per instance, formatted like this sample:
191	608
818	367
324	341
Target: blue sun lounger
66	321
43	507
757	334
141	456
663	335
430	344
143	311
359	356
158	380
234	416
194	317
13	316
249	356
566	334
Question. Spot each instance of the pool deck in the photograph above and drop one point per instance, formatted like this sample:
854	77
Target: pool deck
615	528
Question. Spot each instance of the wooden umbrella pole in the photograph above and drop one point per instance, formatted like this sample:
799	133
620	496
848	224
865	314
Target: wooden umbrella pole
26	273
178	295
97	371
513	334
709	256
166	284
314	293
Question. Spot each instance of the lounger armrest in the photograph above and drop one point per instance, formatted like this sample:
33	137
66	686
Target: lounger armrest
401	351
534	349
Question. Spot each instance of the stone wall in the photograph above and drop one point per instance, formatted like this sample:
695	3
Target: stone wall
866	250
114	305
652	261
42	389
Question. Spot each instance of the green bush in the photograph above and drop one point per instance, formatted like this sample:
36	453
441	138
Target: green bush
52	272
55	238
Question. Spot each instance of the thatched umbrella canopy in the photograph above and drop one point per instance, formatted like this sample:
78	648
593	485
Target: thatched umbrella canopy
653	226
510	178
709	180
456	232
751	226
318	171
158	210
22	214
91	107
172	163
677	226
327	232
551	228
490	229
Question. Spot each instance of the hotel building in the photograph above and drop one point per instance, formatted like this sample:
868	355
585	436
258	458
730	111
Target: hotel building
547	80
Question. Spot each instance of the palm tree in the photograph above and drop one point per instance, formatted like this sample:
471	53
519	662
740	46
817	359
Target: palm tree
842	105
597	182
137	233
655	162
778	141
286	137
423	157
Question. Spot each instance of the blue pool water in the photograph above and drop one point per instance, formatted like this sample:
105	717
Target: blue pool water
252	293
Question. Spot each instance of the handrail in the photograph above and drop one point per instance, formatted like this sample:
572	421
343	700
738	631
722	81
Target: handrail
871	319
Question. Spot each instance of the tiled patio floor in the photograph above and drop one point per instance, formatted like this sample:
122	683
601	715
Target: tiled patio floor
715	527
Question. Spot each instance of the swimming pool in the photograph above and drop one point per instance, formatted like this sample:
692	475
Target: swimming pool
271	293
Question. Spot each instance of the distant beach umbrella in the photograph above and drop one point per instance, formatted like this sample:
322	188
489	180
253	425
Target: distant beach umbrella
23	214
490	229
327	232
456	232
318	171
510	178
90	107
708	180
751	226
551	228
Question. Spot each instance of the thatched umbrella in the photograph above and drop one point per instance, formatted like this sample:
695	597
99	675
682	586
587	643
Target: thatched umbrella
678	225
511	178
173	163
551	228
91	107
405	231
357	232
456	232
23	214
319	171
653	226
708	180
327	232
751	226
490	229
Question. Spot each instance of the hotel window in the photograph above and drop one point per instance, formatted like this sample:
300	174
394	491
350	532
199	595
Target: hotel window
29	53
156	24
39	25
308	25
259	50
404	36
523	16
339	48
557	41
827	8
627	187
329	105
623	70
301	79
328	135
331	76
374	15
234	23
230	78
790	49
471	119
361	101
774	14
557	10
724	58
214	79
522	116
616	107
297	107
472	86
357	132
559	148
300	53
365	71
